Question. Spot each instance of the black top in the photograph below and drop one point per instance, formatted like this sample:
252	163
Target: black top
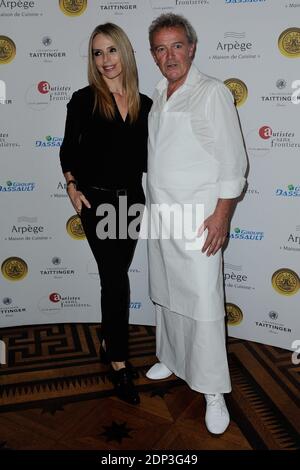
100	152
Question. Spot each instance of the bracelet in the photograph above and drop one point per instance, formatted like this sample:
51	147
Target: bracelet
72	182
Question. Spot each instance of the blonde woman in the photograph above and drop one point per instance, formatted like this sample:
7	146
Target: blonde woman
103	156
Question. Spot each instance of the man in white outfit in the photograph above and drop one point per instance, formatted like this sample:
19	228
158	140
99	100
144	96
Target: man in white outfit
196	156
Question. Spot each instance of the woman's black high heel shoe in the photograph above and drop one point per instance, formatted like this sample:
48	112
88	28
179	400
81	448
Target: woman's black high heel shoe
124	386
104	359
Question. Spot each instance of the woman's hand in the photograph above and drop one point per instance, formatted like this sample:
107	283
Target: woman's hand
77	198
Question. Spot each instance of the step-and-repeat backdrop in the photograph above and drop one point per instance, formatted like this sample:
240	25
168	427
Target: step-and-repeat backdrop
48	274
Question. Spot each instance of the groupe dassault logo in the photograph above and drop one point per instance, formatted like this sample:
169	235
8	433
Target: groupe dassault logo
290	191
12	186
243	234
49	141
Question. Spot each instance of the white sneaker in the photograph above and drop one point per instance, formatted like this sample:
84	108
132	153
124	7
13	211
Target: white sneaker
158	371
217	417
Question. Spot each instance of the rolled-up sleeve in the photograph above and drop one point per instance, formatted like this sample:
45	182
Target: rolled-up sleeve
229	149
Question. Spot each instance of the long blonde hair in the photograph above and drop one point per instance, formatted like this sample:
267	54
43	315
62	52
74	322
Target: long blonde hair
103	98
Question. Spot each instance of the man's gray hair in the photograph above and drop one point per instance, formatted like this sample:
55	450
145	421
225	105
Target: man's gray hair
171	20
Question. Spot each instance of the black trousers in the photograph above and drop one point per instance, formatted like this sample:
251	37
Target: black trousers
113	257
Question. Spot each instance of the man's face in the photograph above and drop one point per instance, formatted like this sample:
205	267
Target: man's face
173	54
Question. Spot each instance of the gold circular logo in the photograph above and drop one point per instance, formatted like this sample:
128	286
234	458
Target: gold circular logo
234	315
285	281
7	50
73	7
289	42
74	228
238	89
14	269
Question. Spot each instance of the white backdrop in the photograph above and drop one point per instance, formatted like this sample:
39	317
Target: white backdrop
48	274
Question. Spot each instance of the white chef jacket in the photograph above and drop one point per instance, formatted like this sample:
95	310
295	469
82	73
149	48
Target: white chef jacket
196	155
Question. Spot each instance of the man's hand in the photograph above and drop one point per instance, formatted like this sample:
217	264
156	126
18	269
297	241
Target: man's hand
217	225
